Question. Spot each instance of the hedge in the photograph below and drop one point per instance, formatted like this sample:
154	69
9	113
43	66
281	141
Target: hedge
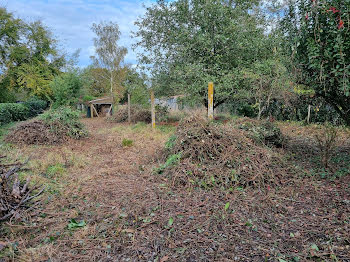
10	112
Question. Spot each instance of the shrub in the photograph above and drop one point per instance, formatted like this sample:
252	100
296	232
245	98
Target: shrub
35	107
64	120
262	132
127	142
326	142
10	112
67	88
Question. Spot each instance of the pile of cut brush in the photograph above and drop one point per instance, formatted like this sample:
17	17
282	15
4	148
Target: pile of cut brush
137	113
52	127
207	154
34	132
16	198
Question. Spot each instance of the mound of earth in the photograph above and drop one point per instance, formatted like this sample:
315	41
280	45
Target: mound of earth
34	133
207	154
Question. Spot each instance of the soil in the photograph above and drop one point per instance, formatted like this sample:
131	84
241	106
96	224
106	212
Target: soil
130	213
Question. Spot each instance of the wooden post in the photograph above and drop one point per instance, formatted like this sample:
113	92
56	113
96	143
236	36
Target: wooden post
91	111
210	100
129	113
309	114
153	108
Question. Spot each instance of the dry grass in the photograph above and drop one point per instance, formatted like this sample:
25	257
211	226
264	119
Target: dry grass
131	214
86	180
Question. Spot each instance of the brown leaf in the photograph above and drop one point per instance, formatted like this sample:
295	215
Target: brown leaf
163	259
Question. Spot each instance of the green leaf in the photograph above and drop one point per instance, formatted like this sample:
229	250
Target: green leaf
171	221
74	224
315	247
227	205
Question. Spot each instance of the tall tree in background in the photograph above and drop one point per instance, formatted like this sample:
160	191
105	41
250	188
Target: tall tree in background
317	36
191	42
29	56
110	56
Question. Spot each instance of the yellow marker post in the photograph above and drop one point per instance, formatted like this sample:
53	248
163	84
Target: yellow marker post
153	108
211	101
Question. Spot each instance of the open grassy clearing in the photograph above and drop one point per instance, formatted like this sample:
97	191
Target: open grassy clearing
105	201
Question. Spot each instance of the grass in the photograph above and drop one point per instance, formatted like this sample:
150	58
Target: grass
99	194
4	129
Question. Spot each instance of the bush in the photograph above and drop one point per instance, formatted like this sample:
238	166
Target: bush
10	112
64	120
67	88
262	132
35	107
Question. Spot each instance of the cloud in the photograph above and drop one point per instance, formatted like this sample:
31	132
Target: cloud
70	20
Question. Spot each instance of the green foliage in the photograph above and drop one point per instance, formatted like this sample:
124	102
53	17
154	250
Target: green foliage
190	43
29	59
88	98
110	57
54	170
317	37
35	107
66	88
172	160
127	142
64	120
264	132
135	84
10	112
171	142
73	224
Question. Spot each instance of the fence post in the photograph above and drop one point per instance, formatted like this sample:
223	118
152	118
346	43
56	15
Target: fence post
129	113
211	100
153	108
308	114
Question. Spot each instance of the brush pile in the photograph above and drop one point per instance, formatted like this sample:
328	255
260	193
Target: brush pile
15	197
52	127
138	114
206	154
262	131
34	133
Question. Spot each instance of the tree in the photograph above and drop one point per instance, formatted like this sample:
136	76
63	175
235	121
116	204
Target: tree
136	85
67	88
29	56
317	37
110	56
191	42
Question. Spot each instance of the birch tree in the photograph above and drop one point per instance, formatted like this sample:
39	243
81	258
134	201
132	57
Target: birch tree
109	55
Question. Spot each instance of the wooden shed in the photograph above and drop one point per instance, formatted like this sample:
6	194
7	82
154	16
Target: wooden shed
100	107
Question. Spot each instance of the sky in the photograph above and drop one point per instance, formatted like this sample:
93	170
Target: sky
71	20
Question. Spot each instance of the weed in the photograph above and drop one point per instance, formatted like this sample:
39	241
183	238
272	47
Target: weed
55	170
171	142
127	142
172	160
326	143
73	224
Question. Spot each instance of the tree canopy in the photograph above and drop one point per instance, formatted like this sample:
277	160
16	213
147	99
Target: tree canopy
29	56
317	37
191	42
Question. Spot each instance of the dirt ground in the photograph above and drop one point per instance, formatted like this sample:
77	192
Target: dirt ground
104	203
87	179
